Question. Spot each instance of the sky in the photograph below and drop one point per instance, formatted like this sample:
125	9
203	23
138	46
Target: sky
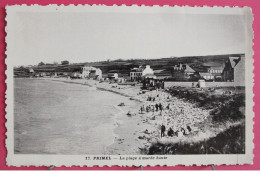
86	37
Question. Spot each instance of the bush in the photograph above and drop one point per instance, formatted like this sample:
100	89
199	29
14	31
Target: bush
231	141
232	109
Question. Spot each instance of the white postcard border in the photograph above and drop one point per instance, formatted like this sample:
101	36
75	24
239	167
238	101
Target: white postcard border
172	160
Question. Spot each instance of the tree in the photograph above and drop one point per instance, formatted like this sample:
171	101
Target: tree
64	62
41	63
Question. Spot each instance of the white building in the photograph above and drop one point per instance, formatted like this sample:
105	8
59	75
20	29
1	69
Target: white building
31	70
91	72
206	75
147	71
136	74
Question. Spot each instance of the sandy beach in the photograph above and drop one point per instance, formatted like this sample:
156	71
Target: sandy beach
128	130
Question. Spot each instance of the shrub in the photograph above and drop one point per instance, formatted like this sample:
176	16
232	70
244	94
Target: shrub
231	141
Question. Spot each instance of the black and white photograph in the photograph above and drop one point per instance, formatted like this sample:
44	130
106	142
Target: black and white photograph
173	83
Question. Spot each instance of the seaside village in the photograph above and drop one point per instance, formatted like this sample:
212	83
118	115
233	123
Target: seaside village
152	80
150	76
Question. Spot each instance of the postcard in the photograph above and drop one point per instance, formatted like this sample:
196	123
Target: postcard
129	85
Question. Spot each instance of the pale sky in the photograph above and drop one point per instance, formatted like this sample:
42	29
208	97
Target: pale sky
86	37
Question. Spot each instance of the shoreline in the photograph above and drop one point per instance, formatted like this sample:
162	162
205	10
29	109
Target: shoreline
117	118
137	131
120	118
97	85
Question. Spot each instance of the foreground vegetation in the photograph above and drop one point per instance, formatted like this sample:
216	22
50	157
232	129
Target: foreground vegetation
230	141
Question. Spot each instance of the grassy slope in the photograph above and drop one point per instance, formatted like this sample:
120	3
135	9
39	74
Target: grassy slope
230	141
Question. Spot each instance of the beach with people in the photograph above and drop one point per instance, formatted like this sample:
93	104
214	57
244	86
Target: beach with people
145	122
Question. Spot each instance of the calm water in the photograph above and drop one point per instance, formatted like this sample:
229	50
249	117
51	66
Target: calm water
61	118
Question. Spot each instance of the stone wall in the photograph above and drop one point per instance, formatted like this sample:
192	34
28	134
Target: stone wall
208	84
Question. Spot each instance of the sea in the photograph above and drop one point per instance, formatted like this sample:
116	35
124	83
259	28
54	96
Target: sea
52	117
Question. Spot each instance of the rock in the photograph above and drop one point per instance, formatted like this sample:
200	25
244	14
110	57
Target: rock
129	113
121	104
141	137
146	131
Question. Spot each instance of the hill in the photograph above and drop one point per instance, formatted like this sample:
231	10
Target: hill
198	63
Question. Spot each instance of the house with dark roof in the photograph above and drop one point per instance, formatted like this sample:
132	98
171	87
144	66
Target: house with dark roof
182	72
162	74
234	70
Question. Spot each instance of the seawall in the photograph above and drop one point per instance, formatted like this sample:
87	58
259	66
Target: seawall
208	84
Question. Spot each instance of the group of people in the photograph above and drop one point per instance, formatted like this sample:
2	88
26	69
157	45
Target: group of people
178	133
178	117
151	108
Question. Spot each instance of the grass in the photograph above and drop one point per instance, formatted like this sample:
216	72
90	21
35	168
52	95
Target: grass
230	141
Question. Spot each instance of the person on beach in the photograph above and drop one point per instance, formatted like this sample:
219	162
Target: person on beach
189	128
156	107
141	109
160	107
168	106
163	130
170	132
147	108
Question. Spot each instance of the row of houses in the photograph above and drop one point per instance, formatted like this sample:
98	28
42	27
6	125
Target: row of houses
233	70
230	70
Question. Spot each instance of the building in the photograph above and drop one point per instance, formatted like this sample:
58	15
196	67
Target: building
162	74
234	70
185	68
22	72
75	75
148	72
112	76
136	74
216	71
121	80
182	72
91	72
31	70
206	76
